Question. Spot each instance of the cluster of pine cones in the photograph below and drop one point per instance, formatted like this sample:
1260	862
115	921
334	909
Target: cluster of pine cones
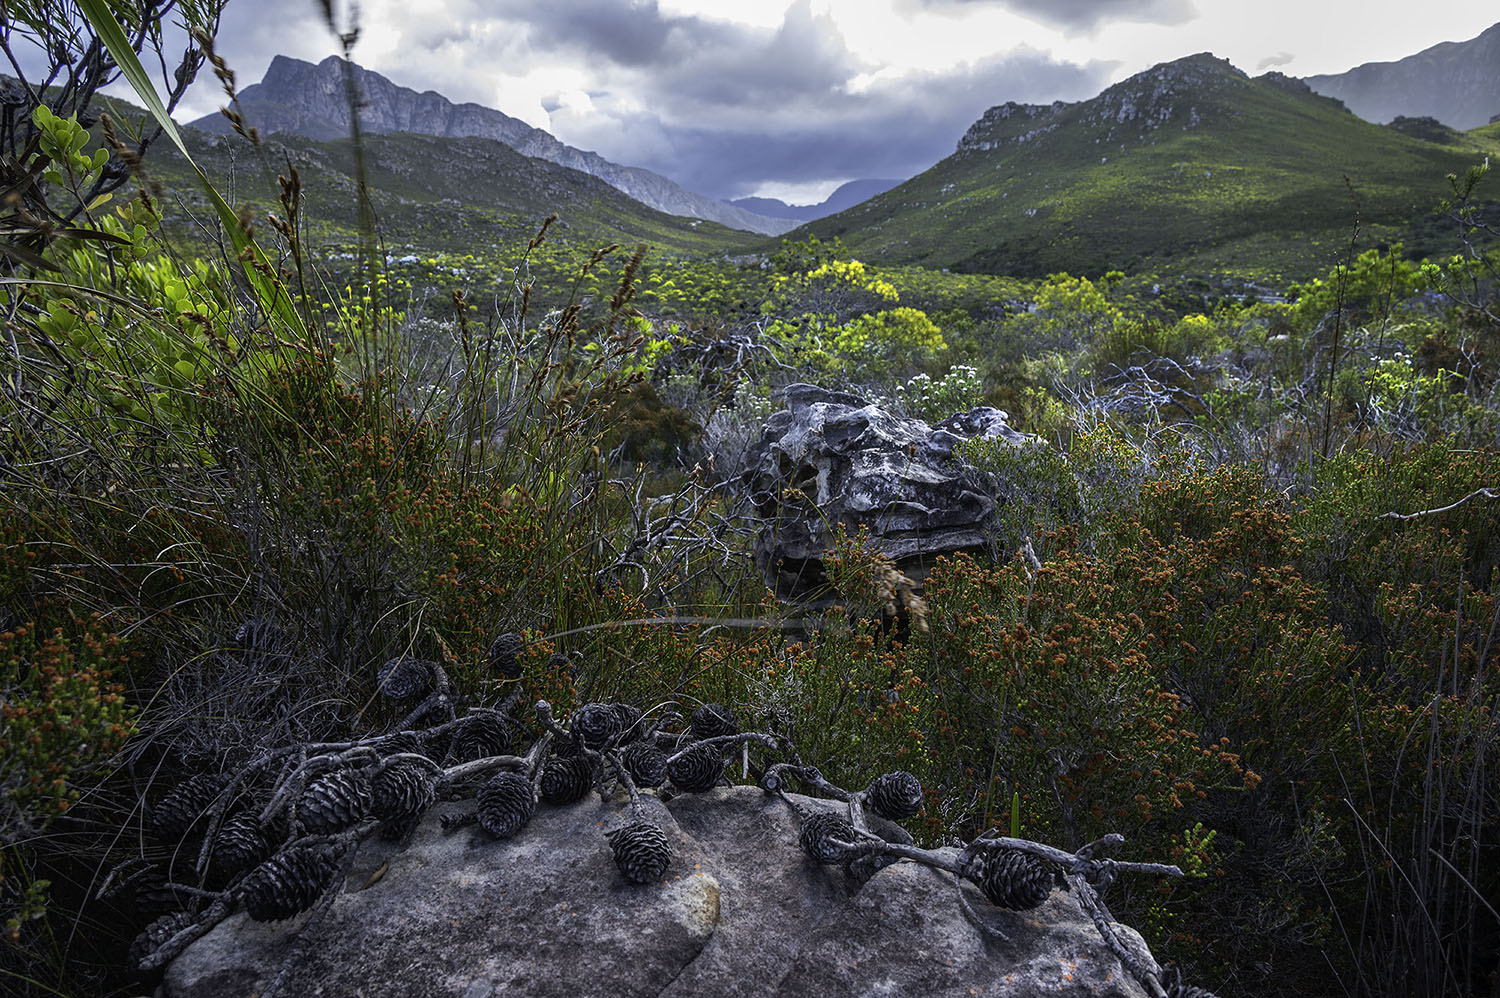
278	848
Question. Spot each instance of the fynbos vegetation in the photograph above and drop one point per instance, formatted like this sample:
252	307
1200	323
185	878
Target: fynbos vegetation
269	500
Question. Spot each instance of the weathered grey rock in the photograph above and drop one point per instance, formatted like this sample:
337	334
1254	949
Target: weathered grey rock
545	913
832	458
905	934
772	896
741	912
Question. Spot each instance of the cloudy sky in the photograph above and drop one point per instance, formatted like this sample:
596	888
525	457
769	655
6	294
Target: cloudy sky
789	98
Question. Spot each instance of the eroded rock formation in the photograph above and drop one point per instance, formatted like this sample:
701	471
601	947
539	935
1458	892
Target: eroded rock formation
833	458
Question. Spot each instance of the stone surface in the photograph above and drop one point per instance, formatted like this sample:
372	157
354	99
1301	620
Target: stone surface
741	912
831	457
545	913
905	934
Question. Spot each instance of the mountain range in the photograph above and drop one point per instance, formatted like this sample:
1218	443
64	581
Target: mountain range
1458	83
845	196
301	98
1190	165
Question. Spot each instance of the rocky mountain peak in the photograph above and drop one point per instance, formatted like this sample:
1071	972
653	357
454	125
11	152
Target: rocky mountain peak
1179	91
302	98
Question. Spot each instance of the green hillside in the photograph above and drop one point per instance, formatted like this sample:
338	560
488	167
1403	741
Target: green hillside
1191	166
467	195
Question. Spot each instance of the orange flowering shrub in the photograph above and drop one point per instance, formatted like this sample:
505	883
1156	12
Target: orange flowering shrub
60	719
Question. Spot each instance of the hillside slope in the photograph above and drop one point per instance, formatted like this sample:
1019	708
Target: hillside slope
1190	165
453	194
300	98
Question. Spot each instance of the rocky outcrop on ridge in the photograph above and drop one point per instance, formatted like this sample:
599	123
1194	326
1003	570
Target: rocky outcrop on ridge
833	458
302	98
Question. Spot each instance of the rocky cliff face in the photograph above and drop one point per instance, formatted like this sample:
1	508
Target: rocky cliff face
301	98
1458	83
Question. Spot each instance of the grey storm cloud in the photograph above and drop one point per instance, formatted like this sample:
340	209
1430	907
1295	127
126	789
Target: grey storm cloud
627	33
1082	15
717	62
897	127
1279	59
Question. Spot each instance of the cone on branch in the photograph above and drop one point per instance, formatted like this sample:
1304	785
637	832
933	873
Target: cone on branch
896	796
1015	880
337	800
480	736
714	720
154	936
506	804
641	850
404	678
504	655
288	883
240	844
595	725
826	837
697	769
565	781
181	809
646	764
403	791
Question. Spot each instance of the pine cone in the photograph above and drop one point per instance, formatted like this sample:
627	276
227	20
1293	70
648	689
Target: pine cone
1015	880
480	736
152	937
177	813
697	769
646	764
714	720
595	725
154	895
404	678
503	655
506	804
334	801
642	851
826	837
288	883
402	742
565	781
402	791
240	844
895	796
628	723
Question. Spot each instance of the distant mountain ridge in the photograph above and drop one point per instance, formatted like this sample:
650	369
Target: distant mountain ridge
845	196
1458	83
300	98
1190	164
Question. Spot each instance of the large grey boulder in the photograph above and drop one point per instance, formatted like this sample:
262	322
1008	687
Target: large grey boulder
833	458
742	911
